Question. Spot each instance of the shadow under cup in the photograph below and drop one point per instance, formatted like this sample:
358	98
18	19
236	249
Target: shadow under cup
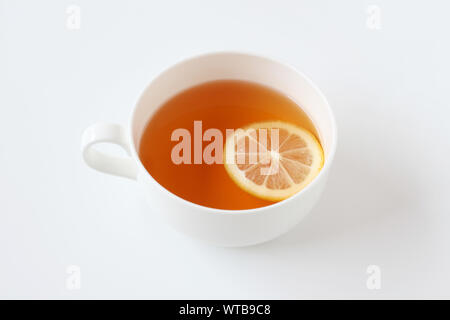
237	227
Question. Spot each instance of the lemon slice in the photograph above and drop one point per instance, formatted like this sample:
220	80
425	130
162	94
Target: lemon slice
272	160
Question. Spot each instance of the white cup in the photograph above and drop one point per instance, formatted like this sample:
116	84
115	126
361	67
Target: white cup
220	227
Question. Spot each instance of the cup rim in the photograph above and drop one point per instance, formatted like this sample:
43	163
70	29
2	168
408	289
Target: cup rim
322	172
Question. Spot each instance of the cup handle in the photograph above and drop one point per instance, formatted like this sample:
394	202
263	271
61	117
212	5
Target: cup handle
112	133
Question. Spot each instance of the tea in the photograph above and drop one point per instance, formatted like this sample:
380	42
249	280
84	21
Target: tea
222	105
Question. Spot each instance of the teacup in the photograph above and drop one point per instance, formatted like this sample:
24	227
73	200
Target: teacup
216	226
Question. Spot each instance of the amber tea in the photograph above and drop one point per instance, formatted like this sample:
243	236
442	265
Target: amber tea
225	105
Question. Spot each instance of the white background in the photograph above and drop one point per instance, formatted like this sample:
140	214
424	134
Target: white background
387	201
